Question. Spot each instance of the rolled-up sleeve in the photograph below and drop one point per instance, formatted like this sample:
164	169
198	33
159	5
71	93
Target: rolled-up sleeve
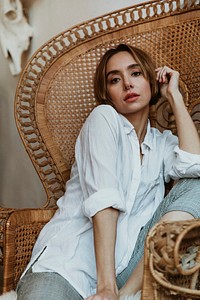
186	164
101	200
179	163
96	157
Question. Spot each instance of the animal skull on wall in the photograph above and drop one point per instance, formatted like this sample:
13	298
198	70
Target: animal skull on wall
15	33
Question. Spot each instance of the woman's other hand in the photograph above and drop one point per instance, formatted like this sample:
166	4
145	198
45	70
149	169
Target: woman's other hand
104	295
168	80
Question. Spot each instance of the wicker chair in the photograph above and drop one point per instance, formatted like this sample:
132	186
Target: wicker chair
53	98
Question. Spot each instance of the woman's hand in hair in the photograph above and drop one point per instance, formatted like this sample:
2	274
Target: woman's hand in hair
168	80
187	133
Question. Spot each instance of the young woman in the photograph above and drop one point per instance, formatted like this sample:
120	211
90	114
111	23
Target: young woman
93	247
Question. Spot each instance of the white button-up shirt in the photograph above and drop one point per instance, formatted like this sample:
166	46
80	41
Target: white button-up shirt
108	172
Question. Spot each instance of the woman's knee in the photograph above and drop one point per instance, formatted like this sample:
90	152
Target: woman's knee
177	216
184	200
48	285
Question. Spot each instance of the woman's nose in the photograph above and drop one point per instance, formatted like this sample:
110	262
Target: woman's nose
127	85
127	82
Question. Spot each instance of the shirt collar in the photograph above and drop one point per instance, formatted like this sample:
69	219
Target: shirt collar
128	128
148	139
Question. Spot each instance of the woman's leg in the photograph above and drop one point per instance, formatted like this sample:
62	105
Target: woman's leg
182	203
45	286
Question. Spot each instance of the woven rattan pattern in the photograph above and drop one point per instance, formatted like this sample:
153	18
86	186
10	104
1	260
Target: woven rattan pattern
69	101
4	214
58	79
175	260
25	238
22	229
71	97
100	34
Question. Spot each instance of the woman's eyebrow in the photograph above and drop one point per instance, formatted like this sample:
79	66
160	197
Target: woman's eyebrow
132	66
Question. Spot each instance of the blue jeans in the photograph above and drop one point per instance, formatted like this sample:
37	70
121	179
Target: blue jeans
184	196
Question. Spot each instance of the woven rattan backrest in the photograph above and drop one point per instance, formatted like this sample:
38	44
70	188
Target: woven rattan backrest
55	92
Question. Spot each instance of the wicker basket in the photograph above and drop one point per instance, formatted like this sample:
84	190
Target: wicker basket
172	261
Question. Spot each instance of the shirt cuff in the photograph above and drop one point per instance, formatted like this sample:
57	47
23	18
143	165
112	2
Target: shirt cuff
187	163
103	199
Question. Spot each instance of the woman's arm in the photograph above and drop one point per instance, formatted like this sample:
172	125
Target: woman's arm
187	134
101	192
105	228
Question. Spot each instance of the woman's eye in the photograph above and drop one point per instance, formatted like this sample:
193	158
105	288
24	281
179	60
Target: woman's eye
114	80
136	73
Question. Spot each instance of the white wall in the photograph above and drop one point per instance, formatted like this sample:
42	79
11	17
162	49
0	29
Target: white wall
19	184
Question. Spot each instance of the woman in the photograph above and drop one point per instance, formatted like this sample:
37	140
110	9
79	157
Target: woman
93	247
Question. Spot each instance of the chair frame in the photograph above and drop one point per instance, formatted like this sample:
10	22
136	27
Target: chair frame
34	129
31	91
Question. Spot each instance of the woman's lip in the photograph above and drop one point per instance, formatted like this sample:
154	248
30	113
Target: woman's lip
131	97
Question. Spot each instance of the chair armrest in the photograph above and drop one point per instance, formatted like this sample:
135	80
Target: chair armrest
172	261
20	233
4	215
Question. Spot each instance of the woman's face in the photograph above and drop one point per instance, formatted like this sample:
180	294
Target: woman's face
129	91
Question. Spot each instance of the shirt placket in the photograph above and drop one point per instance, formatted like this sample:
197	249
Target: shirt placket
136	169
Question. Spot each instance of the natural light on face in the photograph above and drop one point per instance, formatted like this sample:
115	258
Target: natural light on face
127	88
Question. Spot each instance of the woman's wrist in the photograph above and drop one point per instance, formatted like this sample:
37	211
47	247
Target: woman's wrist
108	288
107	284
176	99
